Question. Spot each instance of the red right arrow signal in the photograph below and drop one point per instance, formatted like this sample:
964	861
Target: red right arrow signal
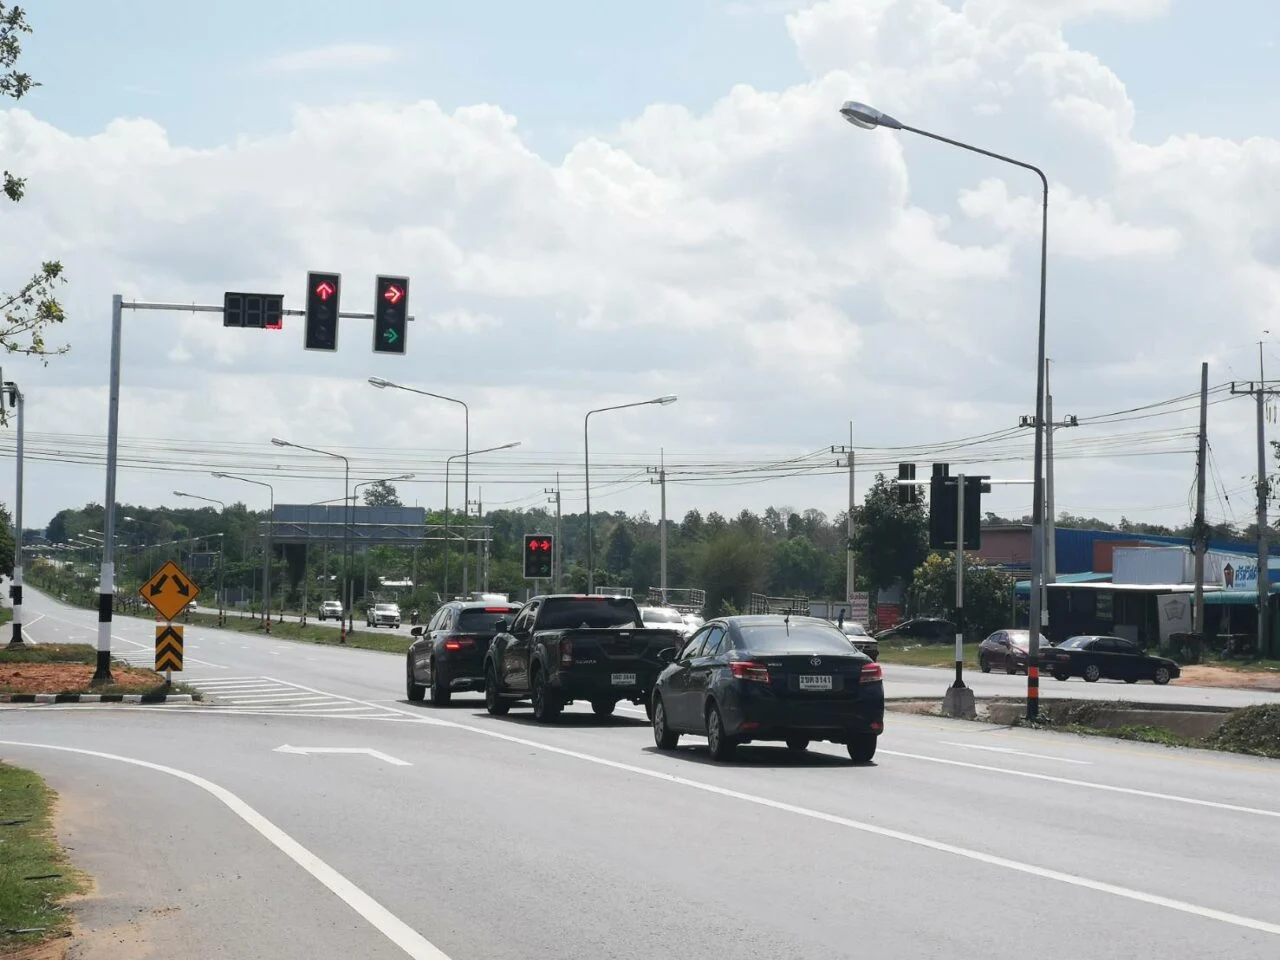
393	294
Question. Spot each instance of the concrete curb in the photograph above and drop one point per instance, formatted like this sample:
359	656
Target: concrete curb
94	698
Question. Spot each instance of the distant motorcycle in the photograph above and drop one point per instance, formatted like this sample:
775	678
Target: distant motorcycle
413	618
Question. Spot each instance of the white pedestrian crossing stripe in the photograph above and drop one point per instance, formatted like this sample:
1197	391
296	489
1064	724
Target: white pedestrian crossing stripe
266	695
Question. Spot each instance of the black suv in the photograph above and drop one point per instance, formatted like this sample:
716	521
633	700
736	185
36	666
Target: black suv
448	654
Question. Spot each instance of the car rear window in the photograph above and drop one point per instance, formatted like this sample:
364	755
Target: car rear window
779	638
482	620
595	613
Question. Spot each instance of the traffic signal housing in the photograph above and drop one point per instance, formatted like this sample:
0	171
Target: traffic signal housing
324	290
943	507
390	314
908	492
264	311
538	551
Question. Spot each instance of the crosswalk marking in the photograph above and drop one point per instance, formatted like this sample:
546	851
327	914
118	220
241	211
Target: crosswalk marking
269	696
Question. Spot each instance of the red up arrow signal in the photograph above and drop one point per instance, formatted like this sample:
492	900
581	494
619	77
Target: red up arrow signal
324	290
393	294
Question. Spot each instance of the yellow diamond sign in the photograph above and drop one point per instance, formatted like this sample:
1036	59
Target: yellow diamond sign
169	590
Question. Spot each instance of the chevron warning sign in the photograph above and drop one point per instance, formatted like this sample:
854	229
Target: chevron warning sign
168	646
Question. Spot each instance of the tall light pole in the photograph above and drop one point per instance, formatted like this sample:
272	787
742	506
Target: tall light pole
355	497
349	623
18	401
382	384
448	462
869	118
223	506
266	543
586	465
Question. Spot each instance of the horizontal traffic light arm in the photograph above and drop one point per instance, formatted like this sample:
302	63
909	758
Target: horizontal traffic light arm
210	308
926	482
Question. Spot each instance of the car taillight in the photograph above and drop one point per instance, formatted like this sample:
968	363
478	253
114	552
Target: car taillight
458	643
750	670
871	673
566	652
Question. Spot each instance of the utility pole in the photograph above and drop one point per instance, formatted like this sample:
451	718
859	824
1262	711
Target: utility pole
554	497
850	581
1200	533
1260	391
1049	549
18	401
661	471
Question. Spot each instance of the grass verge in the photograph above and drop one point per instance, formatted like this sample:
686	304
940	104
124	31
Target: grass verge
927	654
391	641
1254	730
35	875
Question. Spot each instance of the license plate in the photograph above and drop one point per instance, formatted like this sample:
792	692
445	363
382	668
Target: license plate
815	683
624	679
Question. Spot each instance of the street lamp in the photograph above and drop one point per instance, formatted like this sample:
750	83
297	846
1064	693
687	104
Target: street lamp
355	497
266	545
869	118
586	464
448	462
383	384
346	532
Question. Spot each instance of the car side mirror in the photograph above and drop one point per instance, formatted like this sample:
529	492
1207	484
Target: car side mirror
416	631
501	624
667	654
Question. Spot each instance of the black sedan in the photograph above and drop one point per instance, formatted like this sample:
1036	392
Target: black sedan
1010	649
791	679
1111	658
449	653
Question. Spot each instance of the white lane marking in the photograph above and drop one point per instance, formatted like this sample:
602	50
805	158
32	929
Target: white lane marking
1019	753
1045	873
1089	784
375	914
376	754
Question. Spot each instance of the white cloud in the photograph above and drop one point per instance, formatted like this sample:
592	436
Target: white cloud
339	56
778	269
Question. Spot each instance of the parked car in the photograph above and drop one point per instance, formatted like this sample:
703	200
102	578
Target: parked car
920	629
662	617
448	654
791	679
331	610
861	640
1111	658
1010	649
383	615
571	647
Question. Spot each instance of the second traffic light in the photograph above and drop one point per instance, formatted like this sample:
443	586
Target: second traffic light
323	293
908	492
943	522
390	313
538	551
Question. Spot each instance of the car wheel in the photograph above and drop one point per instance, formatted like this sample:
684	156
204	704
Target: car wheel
1059	675
603	708
983	663
1010	665
663	737
1092	672
797	744
493	701
862	747
1162	675
412	690
648	708
719	744
546	706
440	694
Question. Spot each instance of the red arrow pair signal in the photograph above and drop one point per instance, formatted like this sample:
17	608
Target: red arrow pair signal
540	545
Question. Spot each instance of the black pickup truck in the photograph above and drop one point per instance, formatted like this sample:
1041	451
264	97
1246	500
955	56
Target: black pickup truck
568	647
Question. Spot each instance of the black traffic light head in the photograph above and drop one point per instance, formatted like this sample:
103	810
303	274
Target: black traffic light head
265	311
390	314
538	551
944	506
323	293
907	491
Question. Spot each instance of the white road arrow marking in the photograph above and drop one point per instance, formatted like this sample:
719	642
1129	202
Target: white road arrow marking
376	754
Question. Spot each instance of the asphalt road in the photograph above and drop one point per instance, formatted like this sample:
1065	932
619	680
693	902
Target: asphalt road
478	838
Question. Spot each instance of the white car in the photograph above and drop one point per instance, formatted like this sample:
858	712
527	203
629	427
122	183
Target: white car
383	615
691	623
331	609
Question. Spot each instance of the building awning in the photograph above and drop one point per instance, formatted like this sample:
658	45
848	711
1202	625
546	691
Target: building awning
1023	587
1234	598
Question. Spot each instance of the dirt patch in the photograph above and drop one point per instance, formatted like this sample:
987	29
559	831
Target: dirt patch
57	950
72	678
1207	675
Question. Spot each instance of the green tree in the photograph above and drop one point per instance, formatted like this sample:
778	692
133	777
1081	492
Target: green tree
381	493
30	309
6	542
988	593
890	539
622	544
732	568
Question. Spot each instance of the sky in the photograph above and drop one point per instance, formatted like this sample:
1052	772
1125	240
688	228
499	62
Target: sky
603	203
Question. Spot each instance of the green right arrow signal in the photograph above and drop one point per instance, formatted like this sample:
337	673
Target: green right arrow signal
390	336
